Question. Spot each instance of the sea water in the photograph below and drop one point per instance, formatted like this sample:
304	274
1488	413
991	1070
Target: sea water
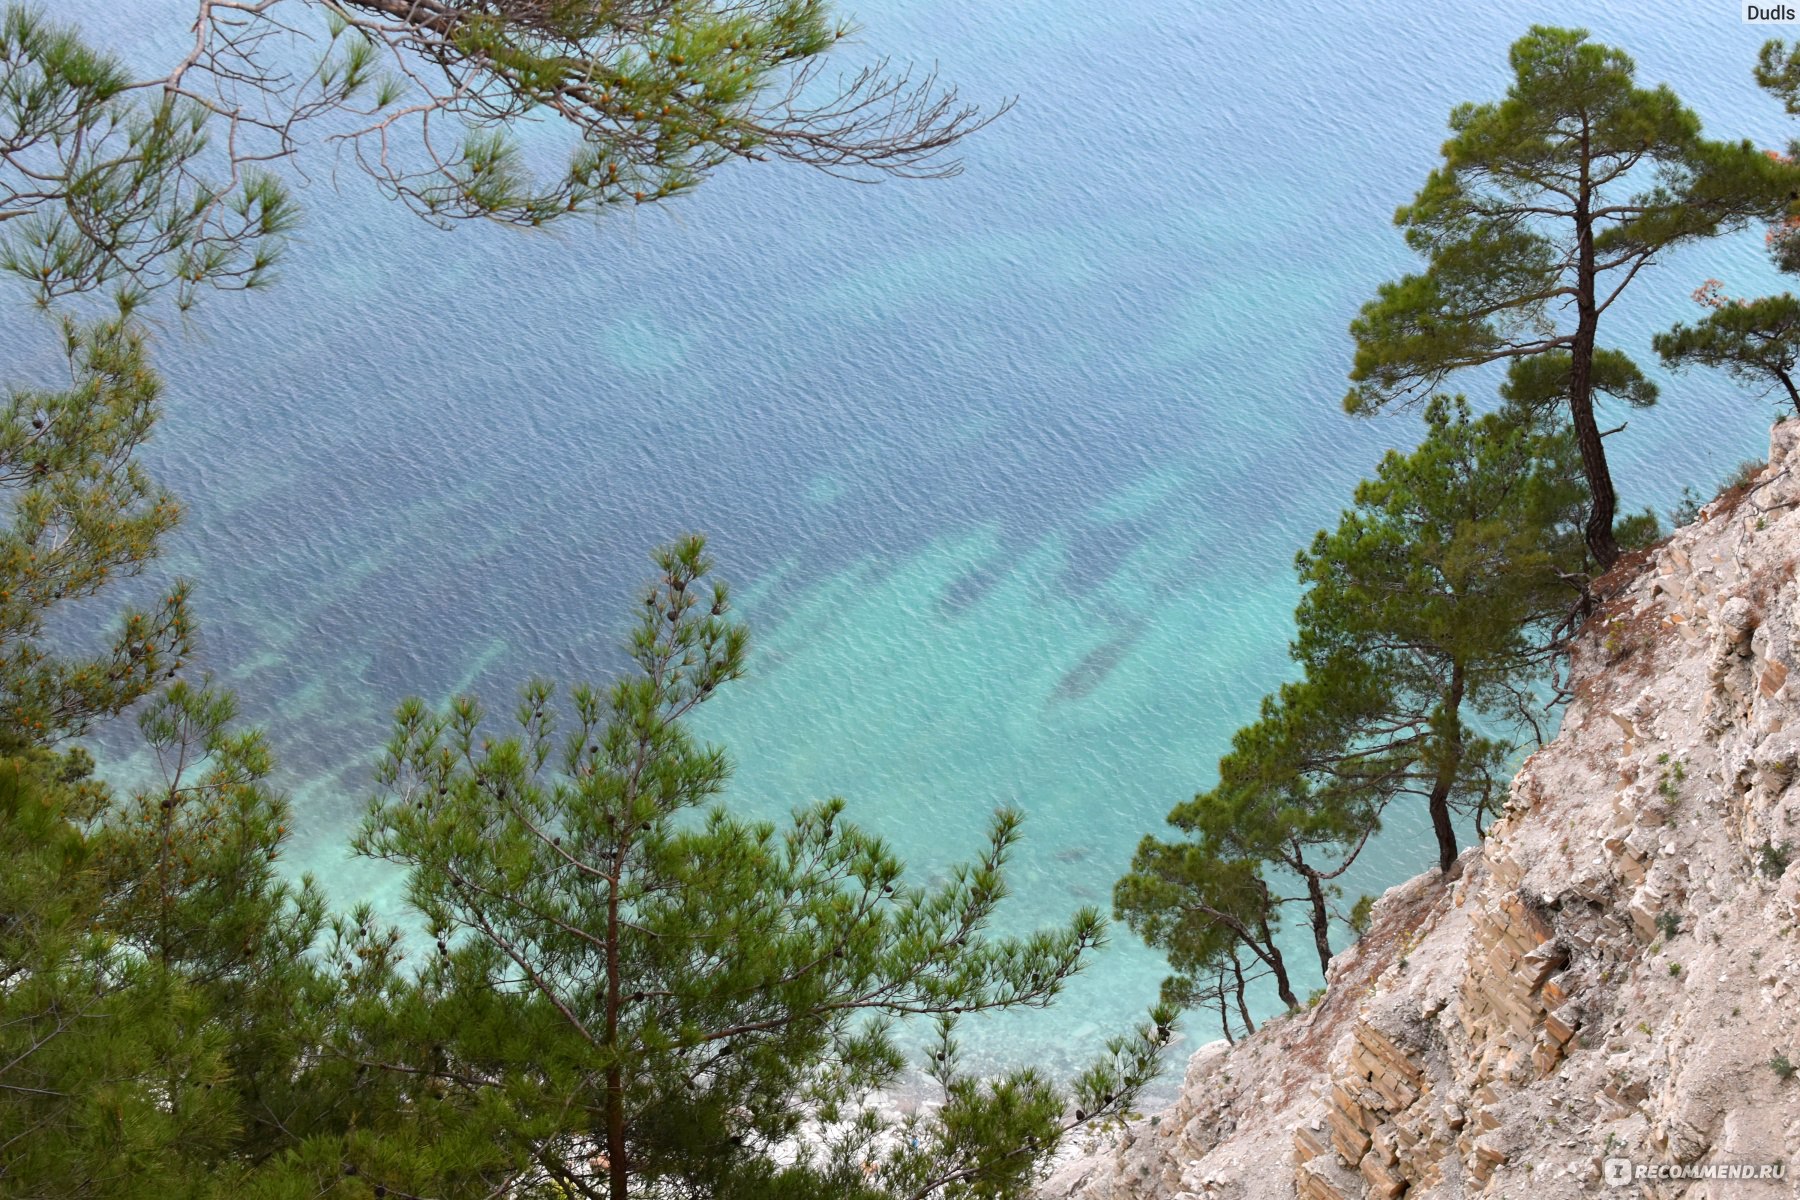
1009	469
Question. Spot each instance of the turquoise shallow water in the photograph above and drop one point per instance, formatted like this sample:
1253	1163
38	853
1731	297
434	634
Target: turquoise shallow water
1009	469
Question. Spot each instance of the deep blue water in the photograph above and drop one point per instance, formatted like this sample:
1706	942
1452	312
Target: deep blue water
1009	469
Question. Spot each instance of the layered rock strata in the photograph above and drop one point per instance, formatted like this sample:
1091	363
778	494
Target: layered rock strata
1615	975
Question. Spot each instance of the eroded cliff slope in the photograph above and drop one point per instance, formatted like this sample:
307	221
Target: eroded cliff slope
1616	974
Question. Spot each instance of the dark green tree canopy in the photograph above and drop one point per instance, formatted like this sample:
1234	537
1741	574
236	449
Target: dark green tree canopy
1445	583
1201	901
1427	623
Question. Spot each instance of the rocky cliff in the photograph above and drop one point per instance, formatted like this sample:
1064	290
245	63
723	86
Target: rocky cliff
1616	973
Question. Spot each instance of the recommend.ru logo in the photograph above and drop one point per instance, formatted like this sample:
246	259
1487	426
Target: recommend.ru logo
1620	1171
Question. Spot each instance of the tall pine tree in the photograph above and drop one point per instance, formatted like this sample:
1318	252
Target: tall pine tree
1441	589
1548	205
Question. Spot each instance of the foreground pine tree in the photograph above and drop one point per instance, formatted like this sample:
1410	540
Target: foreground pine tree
648	996
159	1015
624	975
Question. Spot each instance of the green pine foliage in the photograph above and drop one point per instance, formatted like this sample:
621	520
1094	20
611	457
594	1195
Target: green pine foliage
1207	905
634	992
196	896
681	993
81	1029
619	986
1547	206
623	971
1430	612
82	513
103	185
1437	597
163	1018
1757	342
174	182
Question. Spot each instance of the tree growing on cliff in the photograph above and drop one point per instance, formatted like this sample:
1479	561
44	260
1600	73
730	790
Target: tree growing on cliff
1304	785
1436	597
1547	206
1222	986
1200	901
1294	801
1757	341
650	996
109	179
1428	612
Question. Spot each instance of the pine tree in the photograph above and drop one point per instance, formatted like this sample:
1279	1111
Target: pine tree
80	1028
83	513
1223	986
196	896
160	1014
1441	588
163	1021
1548	205
1299	795
652	996
1300	790
140	183
1755	341
1201	900
1428	612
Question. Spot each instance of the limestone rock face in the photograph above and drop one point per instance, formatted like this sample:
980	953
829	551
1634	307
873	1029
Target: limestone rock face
1614	969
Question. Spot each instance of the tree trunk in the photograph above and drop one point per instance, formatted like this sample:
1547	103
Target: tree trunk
1603	502
1237	969
1449	762
1270	953
1788	383
1321	919
618	1183
618	1180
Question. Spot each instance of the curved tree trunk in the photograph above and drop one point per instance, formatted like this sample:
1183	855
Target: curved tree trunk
1788	383
1603	502
1449	763
1237	969
1270	953
1321	919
